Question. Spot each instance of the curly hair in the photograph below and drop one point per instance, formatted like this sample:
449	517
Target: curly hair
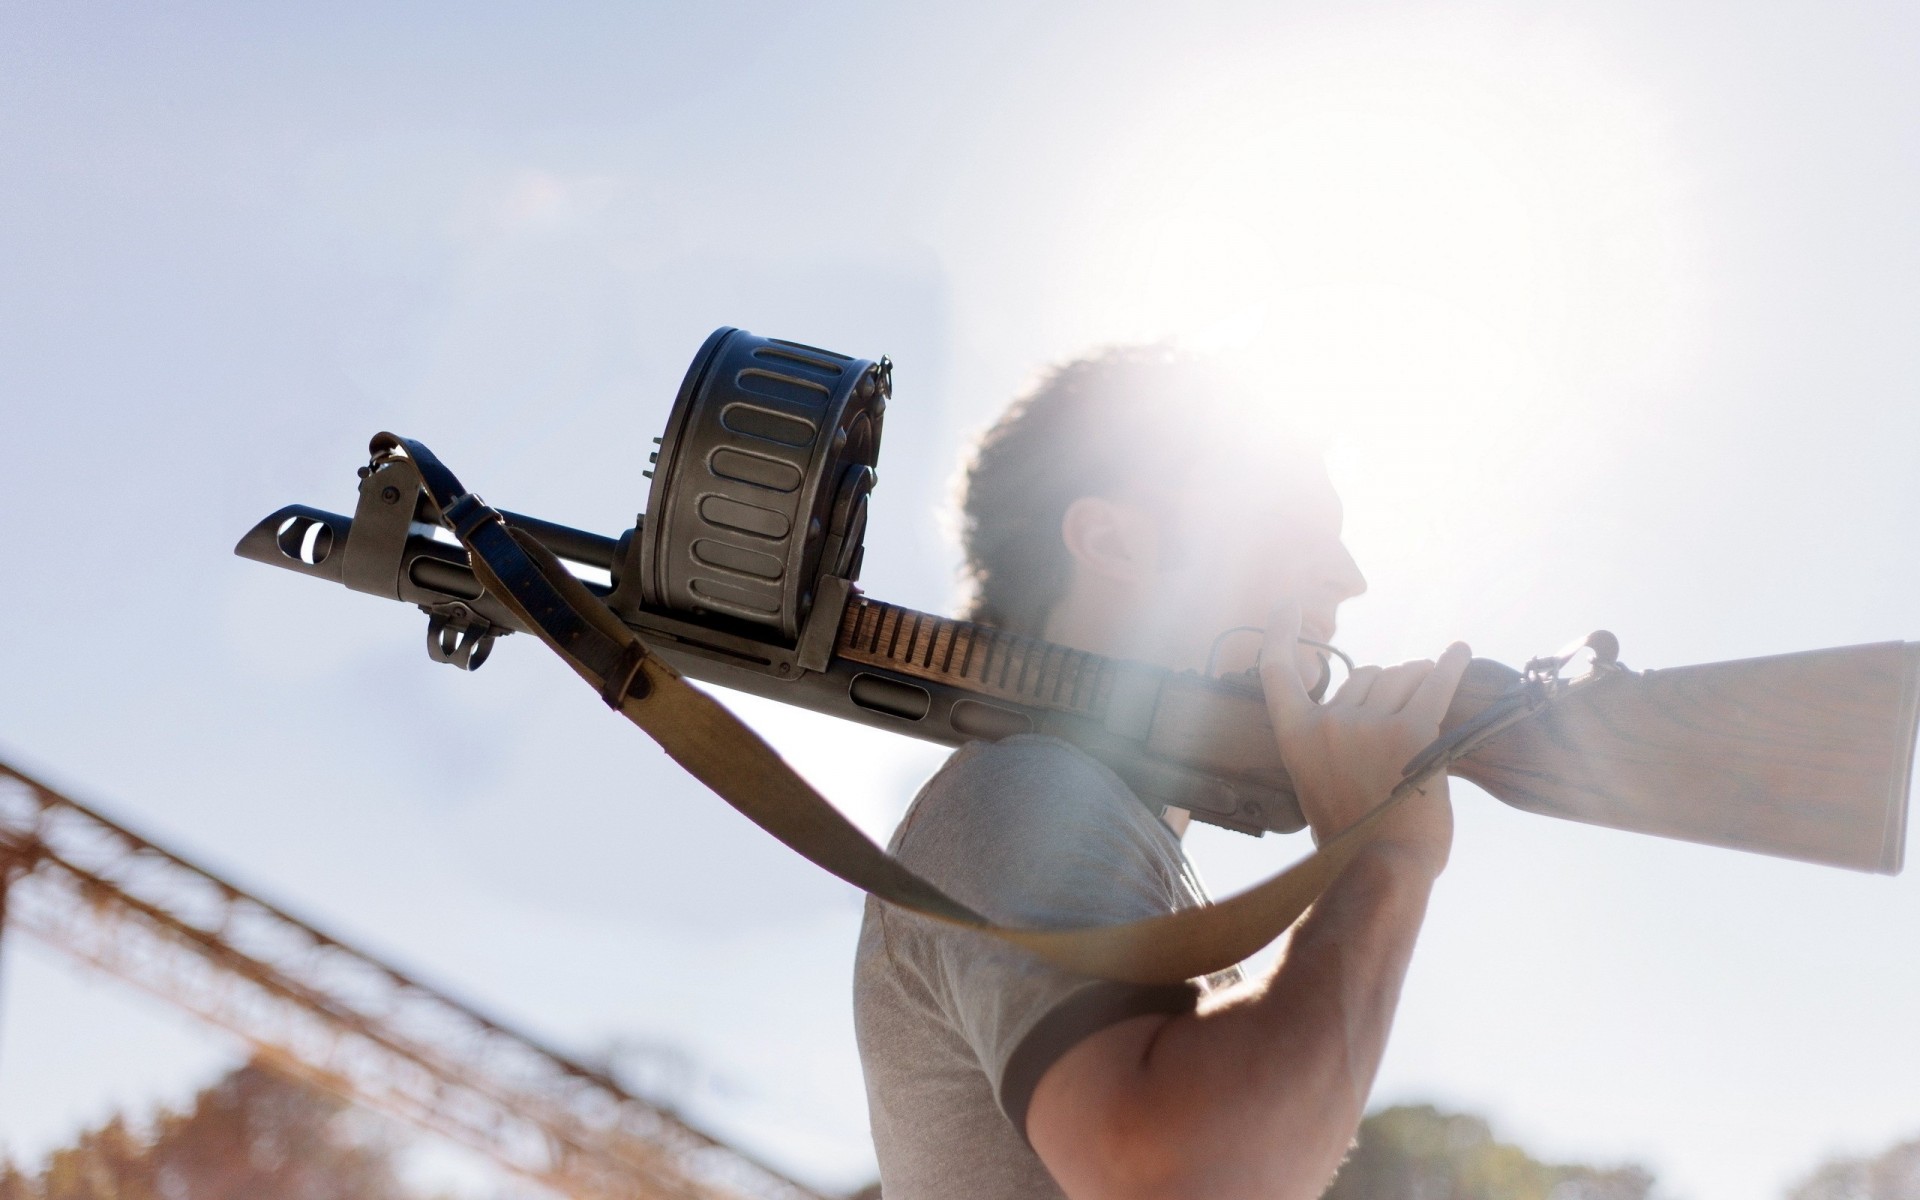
1088	428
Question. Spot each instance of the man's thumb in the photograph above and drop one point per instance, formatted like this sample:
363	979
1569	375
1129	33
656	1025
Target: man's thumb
1279	666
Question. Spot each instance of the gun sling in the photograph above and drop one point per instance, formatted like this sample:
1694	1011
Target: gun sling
722	752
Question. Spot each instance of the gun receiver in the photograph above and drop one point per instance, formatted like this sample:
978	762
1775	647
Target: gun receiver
741	575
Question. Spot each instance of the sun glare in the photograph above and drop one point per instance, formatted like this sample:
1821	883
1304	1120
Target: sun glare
1417	253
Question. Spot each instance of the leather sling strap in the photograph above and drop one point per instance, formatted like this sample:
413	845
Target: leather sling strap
718	749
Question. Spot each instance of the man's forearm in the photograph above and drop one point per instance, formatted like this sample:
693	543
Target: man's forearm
1267	1091
1330	1004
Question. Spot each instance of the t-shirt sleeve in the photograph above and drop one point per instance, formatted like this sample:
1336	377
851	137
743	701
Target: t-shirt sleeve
1031	831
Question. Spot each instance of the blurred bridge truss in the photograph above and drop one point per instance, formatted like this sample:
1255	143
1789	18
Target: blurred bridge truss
337	1017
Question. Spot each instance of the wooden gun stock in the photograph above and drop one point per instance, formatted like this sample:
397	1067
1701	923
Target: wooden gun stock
1804	756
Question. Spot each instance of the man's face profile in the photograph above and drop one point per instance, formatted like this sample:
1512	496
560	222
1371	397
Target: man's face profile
1256	531
1194	567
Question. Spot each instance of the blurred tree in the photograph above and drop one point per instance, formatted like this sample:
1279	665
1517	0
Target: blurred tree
14	1185
252	1135
1893	1175
1418	1152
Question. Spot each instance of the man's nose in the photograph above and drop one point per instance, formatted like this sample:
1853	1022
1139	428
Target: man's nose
1346	579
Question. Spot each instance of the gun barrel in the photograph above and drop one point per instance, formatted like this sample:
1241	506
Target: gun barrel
575	545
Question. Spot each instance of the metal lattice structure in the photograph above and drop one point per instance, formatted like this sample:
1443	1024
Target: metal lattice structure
342	1019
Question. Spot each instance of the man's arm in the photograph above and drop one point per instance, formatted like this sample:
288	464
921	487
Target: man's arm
1261	1096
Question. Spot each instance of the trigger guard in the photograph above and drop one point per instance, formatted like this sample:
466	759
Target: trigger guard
1318	691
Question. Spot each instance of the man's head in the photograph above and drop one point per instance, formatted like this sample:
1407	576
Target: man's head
1130	505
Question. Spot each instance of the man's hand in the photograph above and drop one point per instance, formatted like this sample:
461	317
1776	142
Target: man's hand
1346	755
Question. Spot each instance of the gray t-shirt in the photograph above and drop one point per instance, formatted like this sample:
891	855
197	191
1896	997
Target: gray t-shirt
955	1028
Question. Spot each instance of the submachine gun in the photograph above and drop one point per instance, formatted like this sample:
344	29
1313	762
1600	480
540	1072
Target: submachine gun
741	573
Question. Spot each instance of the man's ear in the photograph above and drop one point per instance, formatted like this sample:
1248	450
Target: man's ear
1111	538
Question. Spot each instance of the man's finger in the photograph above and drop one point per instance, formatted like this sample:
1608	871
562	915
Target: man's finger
1430	699
1358	686
1396	685
1287	699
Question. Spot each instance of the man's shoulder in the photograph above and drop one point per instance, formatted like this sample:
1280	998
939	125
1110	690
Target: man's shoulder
1031	822
1018	783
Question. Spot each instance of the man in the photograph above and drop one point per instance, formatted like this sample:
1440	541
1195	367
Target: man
1123	509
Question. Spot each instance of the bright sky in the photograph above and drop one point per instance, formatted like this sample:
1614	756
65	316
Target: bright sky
1608	320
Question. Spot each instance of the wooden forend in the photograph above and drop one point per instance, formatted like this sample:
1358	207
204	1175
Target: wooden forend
976	658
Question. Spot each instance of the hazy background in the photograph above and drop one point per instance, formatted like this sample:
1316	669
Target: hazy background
1608	317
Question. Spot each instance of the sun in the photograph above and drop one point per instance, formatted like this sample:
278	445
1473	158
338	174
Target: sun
1409	249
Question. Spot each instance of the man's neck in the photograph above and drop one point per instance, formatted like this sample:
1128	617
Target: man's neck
1113	624
1106	625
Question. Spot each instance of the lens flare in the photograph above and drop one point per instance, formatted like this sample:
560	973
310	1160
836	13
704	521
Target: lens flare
1415	254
